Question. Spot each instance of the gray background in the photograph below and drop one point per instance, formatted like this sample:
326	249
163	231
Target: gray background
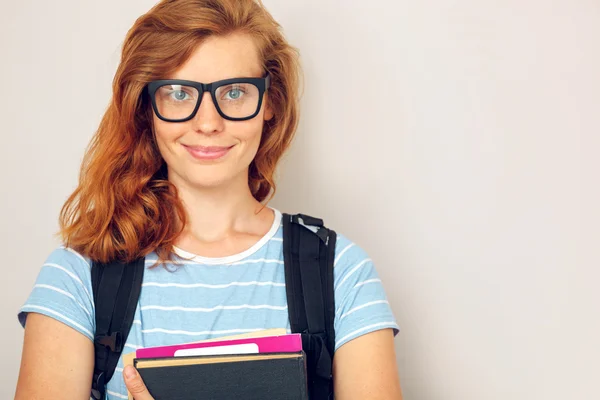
456	141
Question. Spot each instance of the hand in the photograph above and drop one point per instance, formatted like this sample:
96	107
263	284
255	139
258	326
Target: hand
135	384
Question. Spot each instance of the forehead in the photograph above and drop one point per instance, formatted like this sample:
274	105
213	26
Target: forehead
222	57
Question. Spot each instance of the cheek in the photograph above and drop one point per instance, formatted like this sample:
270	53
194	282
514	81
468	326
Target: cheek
166	134
251	142
252	132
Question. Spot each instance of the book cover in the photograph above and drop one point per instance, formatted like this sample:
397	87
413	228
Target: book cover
280	376
271	344
129	357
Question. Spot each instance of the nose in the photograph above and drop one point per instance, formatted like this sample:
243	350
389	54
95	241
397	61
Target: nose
208	120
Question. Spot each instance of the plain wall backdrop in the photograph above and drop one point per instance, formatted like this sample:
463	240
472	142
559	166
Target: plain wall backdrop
456	141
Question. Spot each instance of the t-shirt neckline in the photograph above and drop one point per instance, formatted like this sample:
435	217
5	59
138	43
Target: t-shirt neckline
235	257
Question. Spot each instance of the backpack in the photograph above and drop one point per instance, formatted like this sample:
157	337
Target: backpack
308	252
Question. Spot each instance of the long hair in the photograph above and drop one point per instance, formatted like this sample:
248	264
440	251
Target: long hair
124	207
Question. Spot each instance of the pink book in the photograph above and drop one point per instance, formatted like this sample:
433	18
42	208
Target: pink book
291	343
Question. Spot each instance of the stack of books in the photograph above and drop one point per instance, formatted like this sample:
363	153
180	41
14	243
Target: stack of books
263	365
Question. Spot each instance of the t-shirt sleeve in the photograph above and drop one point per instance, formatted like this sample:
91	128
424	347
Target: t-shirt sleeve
63	291
361	303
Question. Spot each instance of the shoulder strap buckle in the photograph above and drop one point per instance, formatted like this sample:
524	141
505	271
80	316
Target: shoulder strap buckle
98	382
313	224
114	341
305	220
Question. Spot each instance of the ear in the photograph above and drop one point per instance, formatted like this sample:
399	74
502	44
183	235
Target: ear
268	114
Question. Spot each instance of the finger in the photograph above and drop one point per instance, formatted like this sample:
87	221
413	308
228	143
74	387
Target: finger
135	384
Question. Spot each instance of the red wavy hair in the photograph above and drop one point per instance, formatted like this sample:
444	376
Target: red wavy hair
124	207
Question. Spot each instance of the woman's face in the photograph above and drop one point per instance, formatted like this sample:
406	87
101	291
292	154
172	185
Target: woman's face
208	150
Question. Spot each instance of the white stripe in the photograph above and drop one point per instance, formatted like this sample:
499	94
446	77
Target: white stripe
366	282
118	369
366	328
372	303
170	332
189	262
202	309
78	255
277	239
353	270
119	395
260	260
48	310
72	275
133	346
178	262
204	285
65	293
137	321
342	253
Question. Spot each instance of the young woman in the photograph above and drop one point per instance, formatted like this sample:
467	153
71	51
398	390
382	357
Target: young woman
180	171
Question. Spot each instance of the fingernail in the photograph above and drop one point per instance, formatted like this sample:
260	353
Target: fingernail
129	372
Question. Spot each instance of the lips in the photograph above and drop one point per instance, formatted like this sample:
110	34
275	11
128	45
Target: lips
208	152
209	149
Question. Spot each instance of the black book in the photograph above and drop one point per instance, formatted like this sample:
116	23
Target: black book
279	376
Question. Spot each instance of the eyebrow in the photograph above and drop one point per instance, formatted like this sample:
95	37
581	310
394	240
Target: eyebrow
222	79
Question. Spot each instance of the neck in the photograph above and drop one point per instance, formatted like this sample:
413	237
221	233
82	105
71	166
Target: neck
217	213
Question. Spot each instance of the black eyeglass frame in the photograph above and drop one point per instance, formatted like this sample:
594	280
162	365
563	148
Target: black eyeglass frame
262	84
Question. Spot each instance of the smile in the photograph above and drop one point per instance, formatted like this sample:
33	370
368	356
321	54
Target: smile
207	152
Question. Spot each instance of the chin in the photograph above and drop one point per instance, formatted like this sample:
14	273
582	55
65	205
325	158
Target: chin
216	177
205	182
208	176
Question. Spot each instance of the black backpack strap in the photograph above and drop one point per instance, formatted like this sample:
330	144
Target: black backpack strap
117	288
309	252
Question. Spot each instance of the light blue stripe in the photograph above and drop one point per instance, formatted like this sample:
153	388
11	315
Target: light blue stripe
199	301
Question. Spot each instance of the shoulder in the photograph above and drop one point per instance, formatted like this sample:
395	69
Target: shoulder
64	261
350	259
63	291
361	302
348	251
349	256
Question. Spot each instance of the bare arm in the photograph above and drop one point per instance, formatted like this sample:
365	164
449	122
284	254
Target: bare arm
365	368
57	361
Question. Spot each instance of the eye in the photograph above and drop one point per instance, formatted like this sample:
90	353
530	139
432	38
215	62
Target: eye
179	95
232	93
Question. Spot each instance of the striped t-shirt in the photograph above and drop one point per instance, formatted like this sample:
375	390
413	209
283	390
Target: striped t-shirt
204	298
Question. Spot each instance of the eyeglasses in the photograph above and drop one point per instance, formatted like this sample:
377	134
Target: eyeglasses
237	99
